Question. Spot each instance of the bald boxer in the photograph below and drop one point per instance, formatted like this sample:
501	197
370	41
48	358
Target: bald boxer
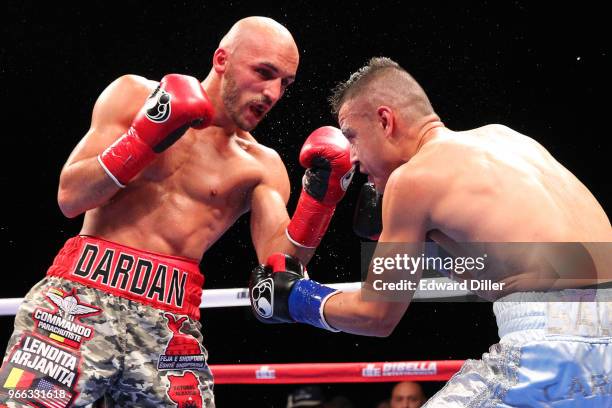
164	170
490	184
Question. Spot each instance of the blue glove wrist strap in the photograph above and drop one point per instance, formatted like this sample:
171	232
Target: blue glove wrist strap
306	302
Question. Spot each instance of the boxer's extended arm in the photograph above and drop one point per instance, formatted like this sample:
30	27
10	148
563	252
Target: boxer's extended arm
269	217
404	221
306	301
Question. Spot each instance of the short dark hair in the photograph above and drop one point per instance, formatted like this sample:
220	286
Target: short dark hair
396	77
358	79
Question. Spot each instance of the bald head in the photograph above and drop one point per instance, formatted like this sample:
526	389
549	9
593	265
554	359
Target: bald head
252	67
253	29
383	82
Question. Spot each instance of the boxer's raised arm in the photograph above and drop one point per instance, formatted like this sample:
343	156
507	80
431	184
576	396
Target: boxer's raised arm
83	183
127	133
329	171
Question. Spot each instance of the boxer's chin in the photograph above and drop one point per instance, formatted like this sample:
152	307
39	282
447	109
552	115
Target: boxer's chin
250	118
245	123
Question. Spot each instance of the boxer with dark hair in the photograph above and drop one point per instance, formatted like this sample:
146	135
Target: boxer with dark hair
485	185
407	394
164	170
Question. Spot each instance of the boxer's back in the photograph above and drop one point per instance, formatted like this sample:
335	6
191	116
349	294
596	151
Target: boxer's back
501	186
494	185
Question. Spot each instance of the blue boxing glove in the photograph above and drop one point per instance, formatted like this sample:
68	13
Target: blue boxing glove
280	293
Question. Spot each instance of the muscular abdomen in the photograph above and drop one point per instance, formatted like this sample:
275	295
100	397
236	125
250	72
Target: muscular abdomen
183	202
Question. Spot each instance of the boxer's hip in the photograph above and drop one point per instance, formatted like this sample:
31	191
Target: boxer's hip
164	282
555	350
581	314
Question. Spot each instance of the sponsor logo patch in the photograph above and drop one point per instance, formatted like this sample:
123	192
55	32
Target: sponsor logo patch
63	324
184	390
41	372
183	351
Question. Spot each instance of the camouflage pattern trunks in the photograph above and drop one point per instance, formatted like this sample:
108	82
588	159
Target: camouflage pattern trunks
109	322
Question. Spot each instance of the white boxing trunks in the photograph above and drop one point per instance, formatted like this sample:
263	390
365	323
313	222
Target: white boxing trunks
555	351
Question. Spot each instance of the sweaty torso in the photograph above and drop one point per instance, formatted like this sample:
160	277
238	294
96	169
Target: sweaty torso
185	200
498	185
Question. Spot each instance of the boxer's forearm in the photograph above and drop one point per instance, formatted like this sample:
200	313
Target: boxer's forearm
303	254
280	243
269	221
347	312
84	185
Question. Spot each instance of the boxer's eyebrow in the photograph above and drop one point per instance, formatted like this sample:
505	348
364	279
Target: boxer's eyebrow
270	66
347	132
276	71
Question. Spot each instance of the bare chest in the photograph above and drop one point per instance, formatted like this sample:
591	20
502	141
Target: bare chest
217	175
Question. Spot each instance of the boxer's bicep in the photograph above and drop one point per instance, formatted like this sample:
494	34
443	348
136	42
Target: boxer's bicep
405	209
111	116
83	184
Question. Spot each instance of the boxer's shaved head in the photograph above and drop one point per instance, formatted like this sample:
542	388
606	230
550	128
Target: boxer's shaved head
250	31
252	67
383	82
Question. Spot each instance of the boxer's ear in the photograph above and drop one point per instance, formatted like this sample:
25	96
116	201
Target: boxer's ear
220	60
386	119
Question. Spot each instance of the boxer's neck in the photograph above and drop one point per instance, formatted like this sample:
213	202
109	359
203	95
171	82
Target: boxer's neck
428	132
418	134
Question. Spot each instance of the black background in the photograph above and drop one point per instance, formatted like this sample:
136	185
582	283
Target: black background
543	71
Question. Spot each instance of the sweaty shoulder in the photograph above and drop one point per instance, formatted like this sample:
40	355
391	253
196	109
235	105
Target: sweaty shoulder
273	171
457	148
407	200
265	155
498	131
122	99
133	85
270	157
413	181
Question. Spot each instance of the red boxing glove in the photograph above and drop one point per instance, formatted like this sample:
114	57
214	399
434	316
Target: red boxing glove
179	102
326	154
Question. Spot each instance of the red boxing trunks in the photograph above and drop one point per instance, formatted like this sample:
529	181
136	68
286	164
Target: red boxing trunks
164	282
113	322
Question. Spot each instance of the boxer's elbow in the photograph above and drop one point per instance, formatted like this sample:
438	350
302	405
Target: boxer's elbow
378	321
68	204
382	328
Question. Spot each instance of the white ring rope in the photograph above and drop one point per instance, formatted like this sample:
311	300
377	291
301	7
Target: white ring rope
240	296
